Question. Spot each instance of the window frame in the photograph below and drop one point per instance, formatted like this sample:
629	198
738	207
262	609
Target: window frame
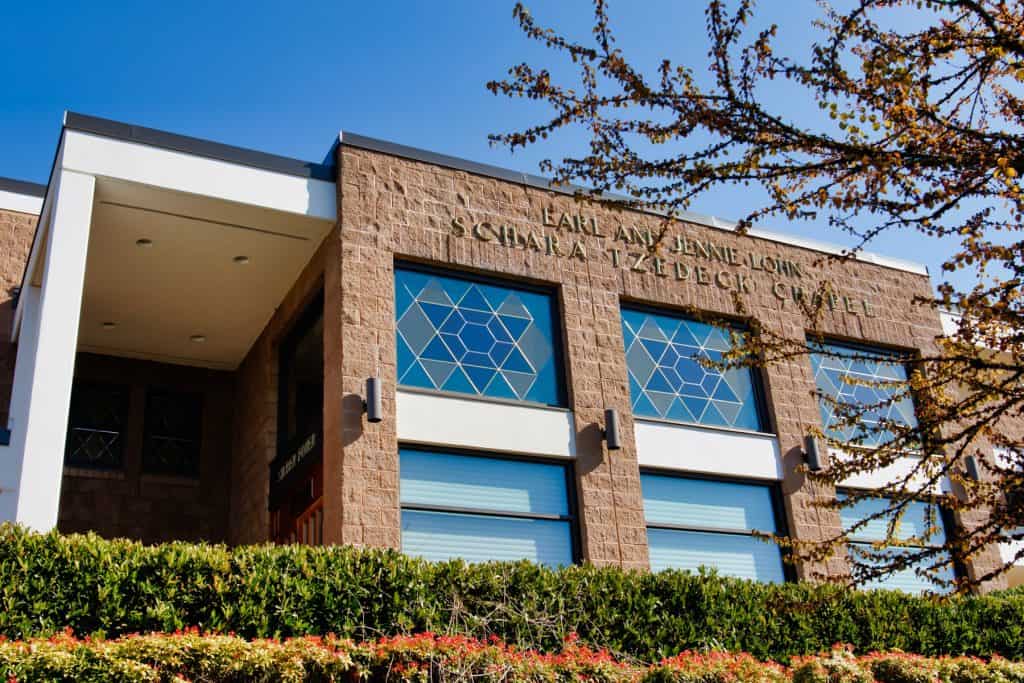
775	497
765	418
568	467
301	324
125	391
200	405
864	347
558	341
946	517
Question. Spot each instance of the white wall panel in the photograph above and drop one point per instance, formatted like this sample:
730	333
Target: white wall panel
713	451
886	475
484	425
25	203
197	175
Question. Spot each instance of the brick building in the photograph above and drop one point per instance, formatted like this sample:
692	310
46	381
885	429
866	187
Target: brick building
188	329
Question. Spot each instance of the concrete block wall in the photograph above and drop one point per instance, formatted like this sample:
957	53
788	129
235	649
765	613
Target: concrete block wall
394	208
154	508
16	231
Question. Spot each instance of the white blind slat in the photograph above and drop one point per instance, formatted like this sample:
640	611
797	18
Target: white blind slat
443	479
440	536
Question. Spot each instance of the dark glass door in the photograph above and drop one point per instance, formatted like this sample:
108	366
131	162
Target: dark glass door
296	475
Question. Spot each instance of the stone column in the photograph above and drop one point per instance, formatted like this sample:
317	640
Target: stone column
361	475
608	482
788	391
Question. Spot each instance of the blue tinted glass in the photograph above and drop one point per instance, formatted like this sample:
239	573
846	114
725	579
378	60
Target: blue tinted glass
908	581
477	538
471	338
482	483
667	382
702	503
732	555
913	523
835	367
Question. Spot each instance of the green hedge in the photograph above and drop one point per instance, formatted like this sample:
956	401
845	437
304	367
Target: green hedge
108	588
428	658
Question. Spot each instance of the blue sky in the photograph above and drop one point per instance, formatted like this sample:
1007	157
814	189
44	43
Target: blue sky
286	77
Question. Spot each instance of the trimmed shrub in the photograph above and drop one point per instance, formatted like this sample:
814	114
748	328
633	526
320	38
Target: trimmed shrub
107	588
427	658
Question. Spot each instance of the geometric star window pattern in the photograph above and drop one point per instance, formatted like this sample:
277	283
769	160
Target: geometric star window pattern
173	433
476	338
834	365
666	381
96	422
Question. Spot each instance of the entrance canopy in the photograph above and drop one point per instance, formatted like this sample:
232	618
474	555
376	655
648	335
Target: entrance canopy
149	246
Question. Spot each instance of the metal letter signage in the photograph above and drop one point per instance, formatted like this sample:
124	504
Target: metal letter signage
684	258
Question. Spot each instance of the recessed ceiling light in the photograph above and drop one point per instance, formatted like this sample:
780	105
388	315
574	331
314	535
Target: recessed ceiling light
144	242
108	325
198	338
241	259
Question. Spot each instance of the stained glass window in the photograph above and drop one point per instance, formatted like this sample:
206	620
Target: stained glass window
865	377
693	523
96	425
470	337
173	433
666	380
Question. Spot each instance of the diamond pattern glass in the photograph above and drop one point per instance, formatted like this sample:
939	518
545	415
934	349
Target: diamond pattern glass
666	380
95	425
173	433
469	337
839	372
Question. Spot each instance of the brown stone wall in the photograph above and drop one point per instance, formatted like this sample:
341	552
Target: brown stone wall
990	559
16	231
392	208
148	507
255	427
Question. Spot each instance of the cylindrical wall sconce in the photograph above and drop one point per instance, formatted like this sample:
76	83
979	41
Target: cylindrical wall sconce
816	456
972	467
374	405
611	429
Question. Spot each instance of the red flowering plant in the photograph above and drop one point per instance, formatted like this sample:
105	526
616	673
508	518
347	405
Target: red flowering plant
715	667
181	656
838	666
430	657
901	667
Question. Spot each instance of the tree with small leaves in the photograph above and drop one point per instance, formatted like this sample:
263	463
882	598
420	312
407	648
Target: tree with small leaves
922	133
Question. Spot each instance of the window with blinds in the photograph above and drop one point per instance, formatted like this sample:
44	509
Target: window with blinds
913	526
694	523
485	508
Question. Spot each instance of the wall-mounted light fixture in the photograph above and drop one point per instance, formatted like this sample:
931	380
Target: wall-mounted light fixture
972	467
611	429
373	406
815	454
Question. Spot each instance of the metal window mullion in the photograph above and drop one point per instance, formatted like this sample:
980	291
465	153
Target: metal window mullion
449	509
703	530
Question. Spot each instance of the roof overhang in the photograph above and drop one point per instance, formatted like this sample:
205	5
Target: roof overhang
200	205
20	196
